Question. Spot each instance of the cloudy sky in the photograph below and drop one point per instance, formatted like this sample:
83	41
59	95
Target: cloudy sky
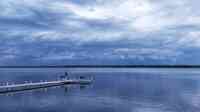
54	32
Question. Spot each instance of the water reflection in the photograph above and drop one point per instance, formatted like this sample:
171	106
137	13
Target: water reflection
66	89
110	92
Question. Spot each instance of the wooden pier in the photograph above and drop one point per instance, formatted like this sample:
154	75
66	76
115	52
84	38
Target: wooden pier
37	85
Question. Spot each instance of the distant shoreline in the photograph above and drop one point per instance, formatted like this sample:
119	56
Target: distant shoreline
106	66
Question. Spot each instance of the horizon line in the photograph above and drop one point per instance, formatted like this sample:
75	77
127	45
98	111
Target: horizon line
101	66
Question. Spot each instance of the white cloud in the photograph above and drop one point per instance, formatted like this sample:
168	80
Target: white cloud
139	15
125	12
139	18
190	39
133	17
133	21
153	53
59	56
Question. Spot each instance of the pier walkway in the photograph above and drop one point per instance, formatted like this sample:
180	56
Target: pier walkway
37	85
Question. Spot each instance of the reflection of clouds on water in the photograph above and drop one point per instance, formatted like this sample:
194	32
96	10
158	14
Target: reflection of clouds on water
151	110
165	90
196	101
115	92
192	98
131	105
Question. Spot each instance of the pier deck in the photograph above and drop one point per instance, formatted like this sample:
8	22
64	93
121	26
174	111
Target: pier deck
30	86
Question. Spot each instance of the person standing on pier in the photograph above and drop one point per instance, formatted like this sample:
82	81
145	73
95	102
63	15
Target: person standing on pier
64	76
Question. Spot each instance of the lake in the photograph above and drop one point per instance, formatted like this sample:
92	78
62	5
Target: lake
113	90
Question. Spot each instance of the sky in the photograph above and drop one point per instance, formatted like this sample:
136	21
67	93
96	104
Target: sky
61	32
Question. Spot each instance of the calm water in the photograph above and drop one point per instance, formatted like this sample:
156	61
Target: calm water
114	90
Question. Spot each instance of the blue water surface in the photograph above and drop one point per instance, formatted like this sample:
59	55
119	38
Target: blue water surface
113	90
